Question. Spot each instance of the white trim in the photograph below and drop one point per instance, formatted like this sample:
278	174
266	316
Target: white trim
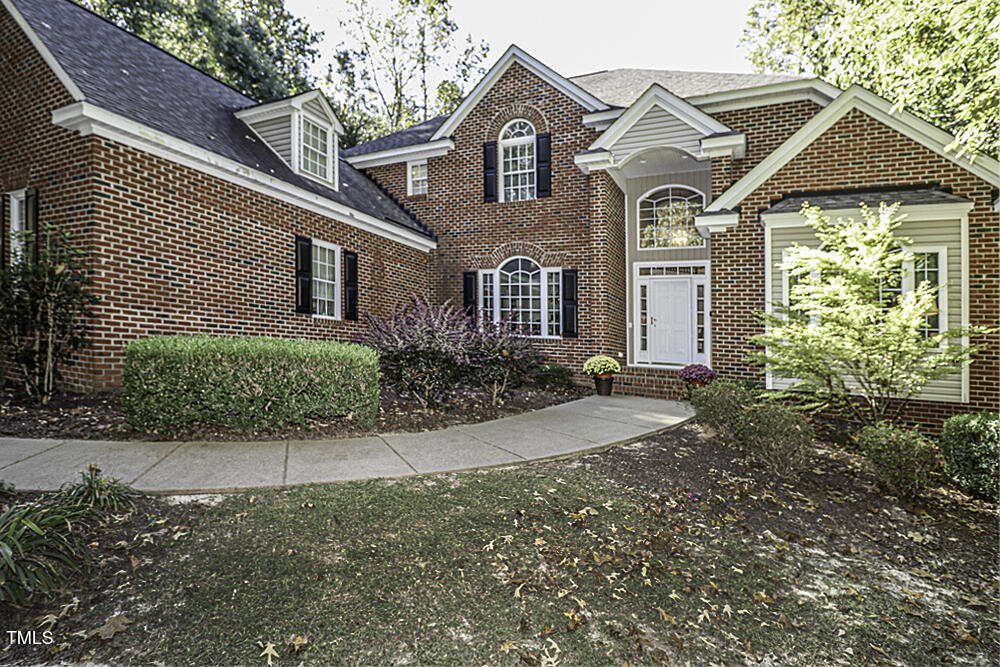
638	218
44	51
817	90
494	277
269	110
88	119
16	242
705	278
338	283
964	315
597	161
601	120
727	145
394	155
878	108
409	177
510	56
716	224
909	282
913	212
307	117
657	95
502	143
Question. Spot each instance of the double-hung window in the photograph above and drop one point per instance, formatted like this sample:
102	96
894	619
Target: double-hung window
525	294
316	144
517	161
325	279
416	180
927	264
18	220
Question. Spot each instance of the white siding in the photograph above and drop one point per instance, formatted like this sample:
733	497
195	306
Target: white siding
315	108
277	133
921	233
657	128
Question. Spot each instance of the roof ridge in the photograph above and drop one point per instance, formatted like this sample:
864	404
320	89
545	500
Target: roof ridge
161	49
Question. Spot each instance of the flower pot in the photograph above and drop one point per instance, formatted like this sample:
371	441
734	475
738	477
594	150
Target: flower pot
603	384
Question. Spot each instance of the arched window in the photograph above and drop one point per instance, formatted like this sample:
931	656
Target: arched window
666	218
517	161
525	294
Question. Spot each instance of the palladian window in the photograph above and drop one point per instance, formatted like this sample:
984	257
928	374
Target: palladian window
666	218
525	294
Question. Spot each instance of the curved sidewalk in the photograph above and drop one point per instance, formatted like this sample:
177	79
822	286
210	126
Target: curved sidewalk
200	467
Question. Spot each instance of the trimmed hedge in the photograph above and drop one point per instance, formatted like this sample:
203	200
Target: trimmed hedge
970	445
901	458
246	383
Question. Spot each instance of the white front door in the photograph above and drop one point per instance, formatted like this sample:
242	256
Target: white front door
670	312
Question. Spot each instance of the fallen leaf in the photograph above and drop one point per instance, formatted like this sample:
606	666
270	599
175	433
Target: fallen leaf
113	626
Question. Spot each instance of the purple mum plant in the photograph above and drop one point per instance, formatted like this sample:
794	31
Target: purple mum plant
697	373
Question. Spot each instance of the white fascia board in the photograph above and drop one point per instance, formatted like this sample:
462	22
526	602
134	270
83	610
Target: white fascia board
536	67
716	224
88	119
404	154
47	57
601	120
734	145
588	162
657	95
913	212
878	108
817	90
285	106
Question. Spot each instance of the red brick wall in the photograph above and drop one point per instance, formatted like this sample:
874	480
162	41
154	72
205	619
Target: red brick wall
34	153
856	152
766	128
580	226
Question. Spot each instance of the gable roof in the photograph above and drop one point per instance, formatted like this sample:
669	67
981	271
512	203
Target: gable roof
410	136
878	108
515	54
133	79
622	87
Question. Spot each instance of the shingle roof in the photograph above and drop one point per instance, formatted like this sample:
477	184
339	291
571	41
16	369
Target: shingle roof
415	134
622	87
833	199
128	76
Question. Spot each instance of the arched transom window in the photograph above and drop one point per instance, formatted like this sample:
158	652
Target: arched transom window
517	160
525	294
666	218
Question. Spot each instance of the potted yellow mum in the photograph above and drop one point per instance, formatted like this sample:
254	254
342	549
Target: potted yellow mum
603	368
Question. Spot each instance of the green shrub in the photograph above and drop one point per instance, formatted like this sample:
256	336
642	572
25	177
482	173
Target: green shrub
500	358
39	549
776	436
601	364
557	377
901	458
96	493
722	406
246	383
970	445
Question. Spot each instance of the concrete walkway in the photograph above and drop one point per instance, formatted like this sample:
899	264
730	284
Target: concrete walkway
198	467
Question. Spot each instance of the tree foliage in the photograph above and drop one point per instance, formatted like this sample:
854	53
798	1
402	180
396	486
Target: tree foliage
841	333
256	46
401	65
935	59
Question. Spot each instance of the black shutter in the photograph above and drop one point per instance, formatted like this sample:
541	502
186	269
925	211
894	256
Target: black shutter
350	285
31	224
469	300
303	274
569	303
543	165
490	171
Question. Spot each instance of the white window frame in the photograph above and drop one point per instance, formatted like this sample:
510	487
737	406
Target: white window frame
638	218
330	147
493	275
503	144
338	282
16	212
410	190
640	358
786	283
909	282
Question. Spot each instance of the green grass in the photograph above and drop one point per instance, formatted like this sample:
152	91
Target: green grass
528	565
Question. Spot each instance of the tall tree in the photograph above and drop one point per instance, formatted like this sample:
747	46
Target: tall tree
256	46
937	59
388	66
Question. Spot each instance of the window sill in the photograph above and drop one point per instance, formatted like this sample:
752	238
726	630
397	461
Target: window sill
675	247
325	317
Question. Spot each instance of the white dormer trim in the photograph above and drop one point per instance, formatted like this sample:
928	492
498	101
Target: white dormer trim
658	96
878	108
281	107
536	67
816	90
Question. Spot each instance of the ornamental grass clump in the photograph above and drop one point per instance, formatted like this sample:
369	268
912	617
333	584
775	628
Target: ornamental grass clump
601	365
244	383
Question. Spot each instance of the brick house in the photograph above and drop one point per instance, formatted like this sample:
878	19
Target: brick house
637	213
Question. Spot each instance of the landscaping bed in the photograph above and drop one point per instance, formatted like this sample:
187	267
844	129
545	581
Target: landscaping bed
664	551
99	416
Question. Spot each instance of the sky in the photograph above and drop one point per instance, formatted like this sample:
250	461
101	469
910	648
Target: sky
580	36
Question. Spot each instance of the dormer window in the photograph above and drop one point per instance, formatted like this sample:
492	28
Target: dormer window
315	149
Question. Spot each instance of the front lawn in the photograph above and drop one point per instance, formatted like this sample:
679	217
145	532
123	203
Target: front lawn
668	550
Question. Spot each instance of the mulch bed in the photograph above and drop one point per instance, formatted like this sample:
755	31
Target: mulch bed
99	416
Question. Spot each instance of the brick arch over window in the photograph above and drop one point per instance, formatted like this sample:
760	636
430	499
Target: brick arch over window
509	113
494	258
